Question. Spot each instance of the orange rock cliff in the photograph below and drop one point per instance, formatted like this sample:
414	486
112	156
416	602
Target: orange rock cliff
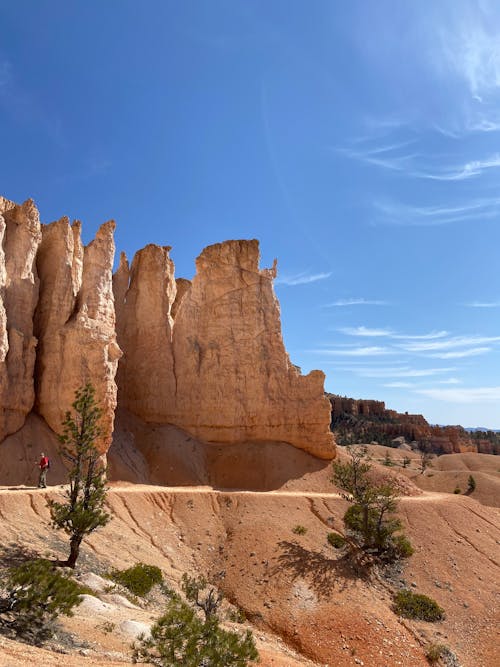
205	356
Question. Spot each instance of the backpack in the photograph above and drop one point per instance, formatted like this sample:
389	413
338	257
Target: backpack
48	463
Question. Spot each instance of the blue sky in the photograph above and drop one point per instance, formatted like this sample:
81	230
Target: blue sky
358	140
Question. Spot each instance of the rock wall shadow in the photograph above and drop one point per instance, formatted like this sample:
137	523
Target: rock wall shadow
163	454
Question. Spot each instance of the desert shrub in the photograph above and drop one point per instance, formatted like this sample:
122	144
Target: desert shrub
457	490
471	484
35	595
417	606
336	540
139	579
434	652
299	530
402	547
406	461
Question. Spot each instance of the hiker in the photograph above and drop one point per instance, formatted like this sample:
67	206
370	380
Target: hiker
44	465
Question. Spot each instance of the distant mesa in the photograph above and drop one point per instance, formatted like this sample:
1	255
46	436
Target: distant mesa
205	357
361	420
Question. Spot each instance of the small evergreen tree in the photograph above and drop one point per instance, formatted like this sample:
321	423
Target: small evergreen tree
83	511
406	461
370	517
181	637
471	484
35	595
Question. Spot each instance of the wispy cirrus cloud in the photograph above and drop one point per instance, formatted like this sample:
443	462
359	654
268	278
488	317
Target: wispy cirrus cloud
356	301
302	278
368	351
394	213
399	385
461	354
450	381
483	304
450	343
365	331
463	394
420	165
398	371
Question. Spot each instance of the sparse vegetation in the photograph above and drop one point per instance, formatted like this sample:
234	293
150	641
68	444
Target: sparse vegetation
299	530
417	606
337	541
193	588
369	520
425	461
138	579
388	460
83	511
406	461
457	490
35	594
434	652
181	637
471	484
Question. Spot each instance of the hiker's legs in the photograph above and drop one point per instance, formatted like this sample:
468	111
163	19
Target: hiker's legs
42	480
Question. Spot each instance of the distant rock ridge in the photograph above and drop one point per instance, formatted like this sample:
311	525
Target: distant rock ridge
206	356
364	420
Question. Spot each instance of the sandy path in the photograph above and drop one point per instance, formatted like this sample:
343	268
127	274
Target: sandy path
143	488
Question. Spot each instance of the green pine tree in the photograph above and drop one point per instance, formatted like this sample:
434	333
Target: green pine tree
83	511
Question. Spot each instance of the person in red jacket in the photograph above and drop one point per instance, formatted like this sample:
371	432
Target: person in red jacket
44	466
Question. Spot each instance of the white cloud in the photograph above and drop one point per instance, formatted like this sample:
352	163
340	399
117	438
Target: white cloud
357	351
365	331
430	336
483	304
450	381
457	341
357	301
393	213
462	172
398	372
399	385
473	352
301	278
463	395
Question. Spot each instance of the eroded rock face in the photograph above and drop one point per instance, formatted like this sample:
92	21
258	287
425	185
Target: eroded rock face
75	322
219	370
205	356
20	236
146	376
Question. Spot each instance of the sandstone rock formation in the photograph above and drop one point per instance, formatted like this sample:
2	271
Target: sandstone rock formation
75	322
205	357
20	237
362	420
219	370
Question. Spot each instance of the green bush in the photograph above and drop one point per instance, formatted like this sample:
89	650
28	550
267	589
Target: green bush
336	540
457	490
435	652
402	547
471	484
139	579
299	530
36	594
417	606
